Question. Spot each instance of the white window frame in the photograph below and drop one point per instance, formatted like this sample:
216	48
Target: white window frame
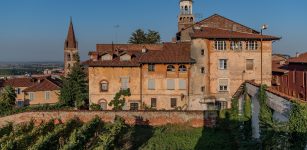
252	45
182	69
223	88
236	45
220	45
47	95
31	96
124	85
223	64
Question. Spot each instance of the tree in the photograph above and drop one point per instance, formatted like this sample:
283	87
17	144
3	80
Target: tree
140	37
118	101
7	98
74	91
153	37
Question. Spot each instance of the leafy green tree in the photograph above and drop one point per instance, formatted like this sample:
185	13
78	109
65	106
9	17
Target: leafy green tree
7	98
153	37
74	91
141	37
138	37
118	101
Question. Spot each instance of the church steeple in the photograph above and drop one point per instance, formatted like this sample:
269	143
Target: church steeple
71	41
70	49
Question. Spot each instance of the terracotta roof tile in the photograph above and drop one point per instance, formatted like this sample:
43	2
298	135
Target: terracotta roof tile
168	53
213	33
278	67
46	84
128	47
300	59
20	82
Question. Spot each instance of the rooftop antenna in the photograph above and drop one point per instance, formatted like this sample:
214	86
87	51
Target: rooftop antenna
116	30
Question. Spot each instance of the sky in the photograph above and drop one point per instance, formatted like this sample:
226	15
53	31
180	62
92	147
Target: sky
35	30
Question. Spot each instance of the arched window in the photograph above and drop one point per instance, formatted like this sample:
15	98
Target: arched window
68	57
182	68
104	86
186	9
68	66
170	68
191	19
103	104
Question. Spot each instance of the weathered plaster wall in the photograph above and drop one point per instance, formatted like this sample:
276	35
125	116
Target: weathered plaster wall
154	118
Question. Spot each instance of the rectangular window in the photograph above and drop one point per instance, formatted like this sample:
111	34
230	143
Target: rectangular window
202	52
151	84
18	91
47	95
220	45
249	64
203	89
153	102
170	84
104	86
173	102
223	64
31	96
202	70
134	106
124	83
236	45
223	85
221	105
182	84
151	68
251	45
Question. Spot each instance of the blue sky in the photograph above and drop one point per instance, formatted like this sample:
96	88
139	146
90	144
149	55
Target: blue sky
35	30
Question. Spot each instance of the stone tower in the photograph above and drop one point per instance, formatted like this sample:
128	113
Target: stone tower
186	17
185	20
70	49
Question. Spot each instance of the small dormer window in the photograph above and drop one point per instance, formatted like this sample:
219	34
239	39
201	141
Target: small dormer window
106	57
125	57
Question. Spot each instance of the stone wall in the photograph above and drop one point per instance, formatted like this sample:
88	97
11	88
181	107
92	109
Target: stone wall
153	118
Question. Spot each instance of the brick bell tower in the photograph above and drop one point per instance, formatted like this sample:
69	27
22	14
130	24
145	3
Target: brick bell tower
70	49
186	17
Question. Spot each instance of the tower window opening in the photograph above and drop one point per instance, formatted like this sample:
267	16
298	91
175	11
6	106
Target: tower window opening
186	9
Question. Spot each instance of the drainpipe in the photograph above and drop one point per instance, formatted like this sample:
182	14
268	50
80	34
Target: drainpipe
141	84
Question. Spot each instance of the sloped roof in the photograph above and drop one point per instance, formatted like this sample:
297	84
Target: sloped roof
300	59
71	41
46	84
214	33
278	67
20	82
128	47
221	17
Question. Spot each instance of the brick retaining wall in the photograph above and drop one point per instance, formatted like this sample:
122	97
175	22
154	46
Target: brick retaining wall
154	118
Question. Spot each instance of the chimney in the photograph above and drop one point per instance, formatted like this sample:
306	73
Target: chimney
144	49
298	54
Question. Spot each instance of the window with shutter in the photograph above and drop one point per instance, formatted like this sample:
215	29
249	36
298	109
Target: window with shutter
171	84
223	85
153	102
151	84
182	84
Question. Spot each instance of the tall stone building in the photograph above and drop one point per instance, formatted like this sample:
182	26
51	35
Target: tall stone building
70	49
227	53
185	19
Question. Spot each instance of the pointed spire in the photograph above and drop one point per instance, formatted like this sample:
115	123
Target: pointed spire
71	41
